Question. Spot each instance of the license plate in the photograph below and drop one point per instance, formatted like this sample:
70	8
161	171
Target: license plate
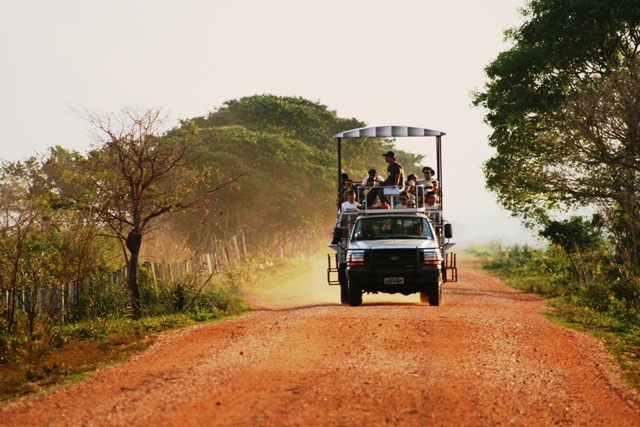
394	280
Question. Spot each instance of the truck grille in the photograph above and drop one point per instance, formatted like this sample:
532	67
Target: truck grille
395	257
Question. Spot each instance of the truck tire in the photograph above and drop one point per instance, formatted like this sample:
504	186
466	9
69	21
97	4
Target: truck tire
344	285
344	294
435	293
355	295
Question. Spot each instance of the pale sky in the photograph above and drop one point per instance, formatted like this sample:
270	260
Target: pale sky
401	62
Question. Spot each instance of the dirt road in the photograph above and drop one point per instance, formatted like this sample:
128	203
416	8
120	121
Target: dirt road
486	357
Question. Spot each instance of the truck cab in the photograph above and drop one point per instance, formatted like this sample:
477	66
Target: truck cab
391	250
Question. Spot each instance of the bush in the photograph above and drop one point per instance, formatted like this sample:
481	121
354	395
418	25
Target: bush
601	292
99	296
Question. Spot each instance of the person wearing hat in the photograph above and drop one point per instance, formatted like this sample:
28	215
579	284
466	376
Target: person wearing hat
429	176
372	174
395	178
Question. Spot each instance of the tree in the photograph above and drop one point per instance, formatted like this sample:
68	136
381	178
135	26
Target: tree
308	122
20	216
575	236
541	98
135	175
42	249
294	117
286	146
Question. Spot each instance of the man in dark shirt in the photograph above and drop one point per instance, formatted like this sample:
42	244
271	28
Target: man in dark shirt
395	178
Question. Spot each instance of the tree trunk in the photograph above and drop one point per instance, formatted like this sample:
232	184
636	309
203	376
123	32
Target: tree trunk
134	241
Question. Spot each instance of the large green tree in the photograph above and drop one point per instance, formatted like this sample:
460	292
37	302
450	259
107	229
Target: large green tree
547	102
298	119
285	148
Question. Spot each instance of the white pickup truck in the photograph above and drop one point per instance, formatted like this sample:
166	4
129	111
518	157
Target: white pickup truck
392	250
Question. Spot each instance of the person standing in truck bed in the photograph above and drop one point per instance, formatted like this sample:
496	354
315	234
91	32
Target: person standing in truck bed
395	178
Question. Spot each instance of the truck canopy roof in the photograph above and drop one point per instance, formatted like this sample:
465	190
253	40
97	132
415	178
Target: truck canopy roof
388	132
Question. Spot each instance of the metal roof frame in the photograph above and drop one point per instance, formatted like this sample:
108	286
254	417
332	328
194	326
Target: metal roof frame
393	132
388	132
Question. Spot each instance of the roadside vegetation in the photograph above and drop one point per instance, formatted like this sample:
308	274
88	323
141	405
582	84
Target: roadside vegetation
586	290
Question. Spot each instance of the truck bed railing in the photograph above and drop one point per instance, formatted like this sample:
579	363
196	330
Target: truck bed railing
392	194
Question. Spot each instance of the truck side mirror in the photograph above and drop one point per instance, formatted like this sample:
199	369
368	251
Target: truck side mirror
337	235
448	231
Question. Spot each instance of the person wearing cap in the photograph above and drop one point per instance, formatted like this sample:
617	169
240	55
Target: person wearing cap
395	172
395	178
372	174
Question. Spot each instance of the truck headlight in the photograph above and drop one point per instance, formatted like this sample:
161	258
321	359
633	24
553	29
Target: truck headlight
355	258
432	257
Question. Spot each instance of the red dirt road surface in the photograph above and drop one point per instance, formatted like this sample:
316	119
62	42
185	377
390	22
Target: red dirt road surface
485	357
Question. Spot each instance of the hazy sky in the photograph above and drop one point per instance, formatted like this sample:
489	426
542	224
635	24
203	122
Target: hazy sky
411	62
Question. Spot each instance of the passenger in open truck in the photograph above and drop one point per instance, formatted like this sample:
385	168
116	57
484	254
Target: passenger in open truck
348	184
351	205
429	176
364	189
404	200
410	188
395	178
432	206
373	174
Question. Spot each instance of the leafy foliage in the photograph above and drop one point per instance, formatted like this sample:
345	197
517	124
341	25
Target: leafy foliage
561	53
564	105
285	151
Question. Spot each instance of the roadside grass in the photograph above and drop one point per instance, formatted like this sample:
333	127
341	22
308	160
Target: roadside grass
53	356
528	270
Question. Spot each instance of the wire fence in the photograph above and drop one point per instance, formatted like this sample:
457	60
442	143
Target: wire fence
55	301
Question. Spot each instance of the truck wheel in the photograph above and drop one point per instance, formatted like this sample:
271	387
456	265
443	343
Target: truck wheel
344	285
344	294
355	295
435	294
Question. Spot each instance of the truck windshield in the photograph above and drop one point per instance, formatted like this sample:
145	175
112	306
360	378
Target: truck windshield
394	227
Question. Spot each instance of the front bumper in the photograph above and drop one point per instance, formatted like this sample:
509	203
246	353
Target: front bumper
415	279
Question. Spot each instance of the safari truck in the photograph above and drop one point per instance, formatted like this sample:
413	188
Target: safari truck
392	250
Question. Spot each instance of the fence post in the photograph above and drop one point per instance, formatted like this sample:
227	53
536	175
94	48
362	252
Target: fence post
237	250
244	246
